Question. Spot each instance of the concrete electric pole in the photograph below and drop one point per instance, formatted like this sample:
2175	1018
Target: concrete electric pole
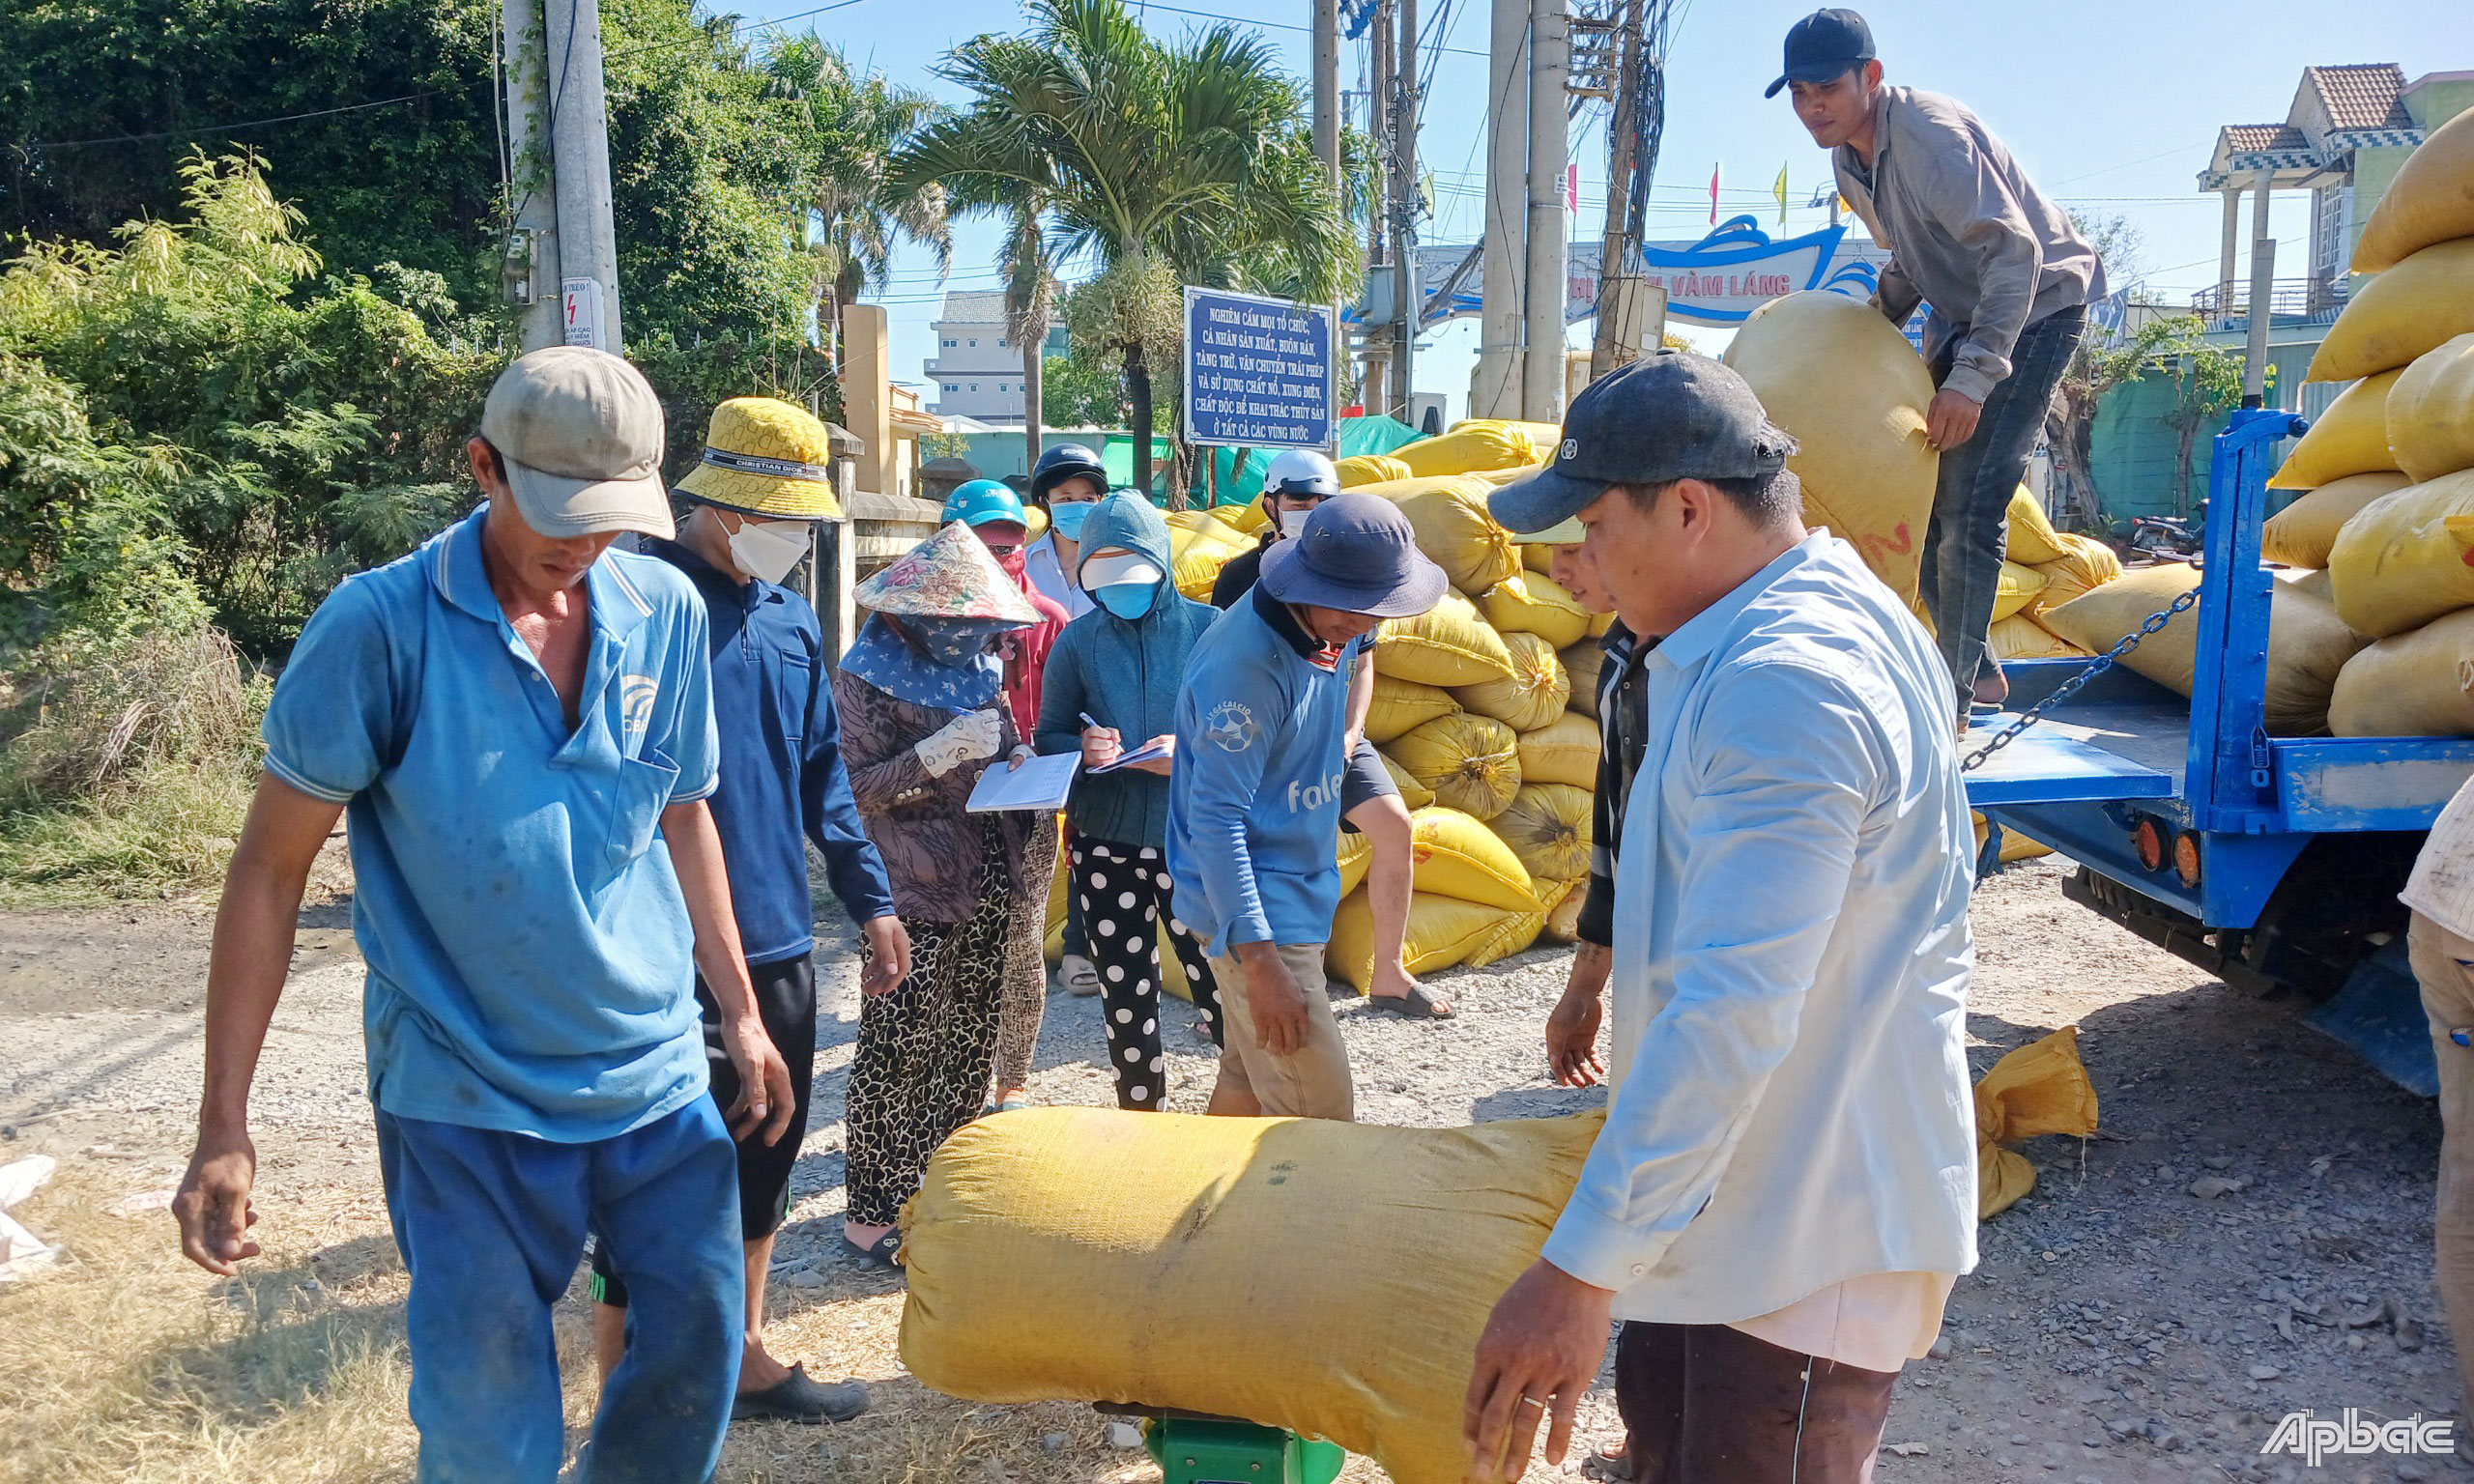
562	253
1542	380
1377	392
1404	206
1327	149
1618	248
1495	392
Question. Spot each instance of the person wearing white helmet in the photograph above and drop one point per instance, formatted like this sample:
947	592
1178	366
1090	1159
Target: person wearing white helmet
1295	485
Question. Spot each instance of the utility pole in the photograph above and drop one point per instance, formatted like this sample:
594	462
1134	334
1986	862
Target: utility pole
562	254
1618	248
1541	382
2263	290
1404	206
530	267
1378	129
1327	149
1503	252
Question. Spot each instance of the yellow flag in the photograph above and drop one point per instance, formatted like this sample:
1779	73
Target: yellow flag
1781	192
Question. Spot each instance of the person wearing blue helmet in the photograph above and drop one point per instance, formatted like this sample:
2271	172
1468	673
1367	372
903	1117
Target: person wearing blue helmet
995	514
1066	482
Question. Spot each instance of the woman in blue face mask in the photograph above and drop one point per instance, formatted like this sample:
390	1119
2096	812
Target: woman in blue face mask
1112	687
1068	483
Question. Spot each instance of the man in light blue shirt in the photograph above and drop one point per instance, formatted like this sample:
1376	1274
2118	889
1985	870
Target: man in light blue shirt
1785	1187
515	718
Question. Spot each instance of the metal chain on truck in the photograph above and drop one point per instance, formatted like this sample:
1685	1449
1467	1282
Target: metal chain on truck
2071	687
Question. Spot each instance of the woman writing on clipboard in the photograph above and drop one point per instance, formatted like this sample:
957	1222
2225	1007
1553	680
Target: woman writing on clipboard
922	718
1112	688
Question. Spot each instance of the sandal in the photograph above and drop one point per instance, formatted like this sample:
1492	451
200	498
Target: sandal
1418	1003
1077	975
885	1252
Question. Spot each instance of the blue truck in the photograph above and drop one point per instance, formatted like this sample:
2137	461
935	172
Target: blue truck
2271	861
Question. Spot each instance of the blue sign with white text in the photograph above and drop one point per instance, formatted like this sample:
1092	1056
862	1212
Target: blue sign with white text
1258	371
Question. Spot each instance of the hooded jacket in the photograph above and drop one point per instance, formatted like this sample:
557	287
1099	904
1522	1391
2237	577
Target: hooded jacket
1125	674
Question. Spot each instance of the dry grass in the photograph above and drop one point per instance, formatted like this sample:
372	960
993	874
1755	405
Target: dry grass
127	1364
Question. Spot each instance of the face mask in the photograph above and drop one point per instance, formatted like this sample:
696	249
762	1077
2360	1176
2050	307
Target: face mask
953	643
1128	600
768	549
1012	558
1292	523
1068	518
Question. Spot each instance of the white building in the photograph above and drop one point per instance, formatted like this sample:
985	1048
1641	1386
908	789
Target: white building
977	371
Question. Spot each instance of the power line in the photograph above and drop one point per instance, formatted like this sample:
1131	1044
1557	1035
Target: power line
1274	25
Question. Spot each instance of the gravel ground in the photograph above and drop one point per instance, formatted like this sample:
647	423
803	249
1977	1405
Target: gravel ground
2121	1327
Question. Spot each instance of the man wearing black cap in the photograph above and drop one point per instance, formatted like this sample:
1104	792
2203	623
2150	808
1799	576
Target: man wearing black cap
1785	1187
1254	801
2008	279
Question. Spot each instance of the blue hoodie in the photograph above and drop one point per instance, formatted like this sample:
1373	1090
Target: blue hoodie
1125	673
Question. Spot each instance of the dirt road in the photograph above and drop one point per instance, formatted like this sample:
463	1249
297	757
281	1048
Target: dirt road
2121	1327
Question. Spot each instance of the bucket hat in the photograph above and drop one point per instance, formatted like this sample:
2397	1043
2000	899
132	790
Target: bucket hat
1357	553
579	433
767	458
950	575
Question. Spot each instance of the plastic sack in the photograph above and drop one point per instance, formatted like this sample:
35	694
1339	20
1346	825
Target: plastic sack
1548	827
1474	445
2015	847
1453	855
2308	643
1534	603
1397	705
1449	514
1444	932
2020	638
2350	438
1538	556
2040	1087
2429	199
1563	922
2017	587
1372	469
2430	412
2087	563
1832	371
2401	561
1563	751
1355	853
2303	533
2032	541
1089	1254
2425	300
2416	684
1446	646
1197	551
1582	664
1414	795
1535	694
1471	763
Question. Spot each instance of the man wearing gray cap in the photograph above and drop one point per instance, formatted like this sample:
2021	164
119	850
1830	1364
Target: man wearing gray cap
1254	800
518	720
1785	1187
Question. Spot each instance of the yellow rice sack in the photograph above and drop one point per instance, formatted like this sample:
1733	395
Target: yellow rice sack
2430	199
1497	478
2350	438
2308	643
2087	563
2017	587
1840	378
2303	533
1535	695
1537	557
2416	684
1247	520
1196	552
1548	827
1582	663
1474	445
2401	561
2015	847
2032	540
1414	795
1471	763
1446	646
1444	932
1534	603
1453	855
1355	853
2020	638
2430	412
1089	1254
2425	300
1372	469
1397	705
1563	751
1564	919
1449	514
1600	623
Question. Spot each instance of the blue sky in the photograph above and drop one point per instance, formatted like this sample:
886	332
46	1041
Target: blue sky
2113	106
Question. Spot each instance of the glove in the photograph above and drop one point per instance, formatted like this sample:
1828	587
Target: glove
964	739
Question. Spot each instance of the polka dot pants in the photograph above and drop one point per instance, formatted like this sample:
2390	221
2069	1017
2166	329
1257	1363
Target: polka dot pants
1125	891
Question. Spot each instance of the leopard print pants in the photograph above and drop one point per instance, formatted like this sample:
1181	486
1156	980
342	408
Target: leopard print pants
1026	998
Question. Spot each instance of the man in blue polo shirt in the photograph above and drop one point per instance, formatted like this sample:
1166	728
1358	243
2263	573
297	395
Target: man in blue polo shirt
520	724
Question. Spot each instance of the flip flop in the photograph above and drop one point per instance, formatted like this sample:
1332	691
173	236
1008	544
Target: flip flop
1418	1003
887	1252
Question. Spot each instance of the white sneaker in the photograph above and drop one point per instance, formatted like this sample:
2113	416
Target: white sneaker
1078	975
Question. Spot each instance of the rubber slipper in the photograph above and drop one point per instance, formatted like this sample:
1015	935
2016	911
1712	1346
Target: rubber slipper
887	1252
1078	975
1418	1003
795	1398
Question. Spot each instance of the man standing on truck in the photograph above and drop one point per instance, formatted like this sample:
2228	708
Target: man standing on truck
1784	1191
2008	279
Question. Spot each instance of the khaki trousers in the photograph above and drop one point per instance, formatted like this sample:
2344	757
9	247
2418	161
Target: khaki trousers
2444	964
1310	1083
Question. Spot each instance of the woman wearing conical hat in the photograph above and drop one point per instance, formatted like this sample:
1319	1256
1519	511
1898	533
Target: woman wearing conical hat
922	717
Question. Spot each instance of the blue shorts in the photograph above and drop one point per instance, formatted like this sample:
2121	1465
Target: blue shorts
1364	779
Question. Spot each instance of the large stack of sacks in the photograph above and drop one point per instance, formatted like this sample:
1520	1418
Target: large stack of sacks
2042	569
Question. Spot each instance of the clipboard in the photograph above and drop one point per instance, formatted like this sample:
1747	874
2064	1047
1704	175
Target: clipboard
1043	782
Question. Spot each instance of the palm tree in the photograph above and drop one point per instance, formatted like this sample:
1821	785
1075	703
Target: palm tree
1149	158
856	124
1030	307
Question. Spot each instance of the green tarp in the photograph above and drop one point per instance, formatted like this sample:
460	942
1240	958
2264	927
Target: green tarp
1358	435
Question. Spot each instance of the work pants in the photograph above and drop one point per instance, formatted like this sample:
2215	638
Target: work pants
1311	1081
491	1225
2444	965
1961	568
1707	1403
